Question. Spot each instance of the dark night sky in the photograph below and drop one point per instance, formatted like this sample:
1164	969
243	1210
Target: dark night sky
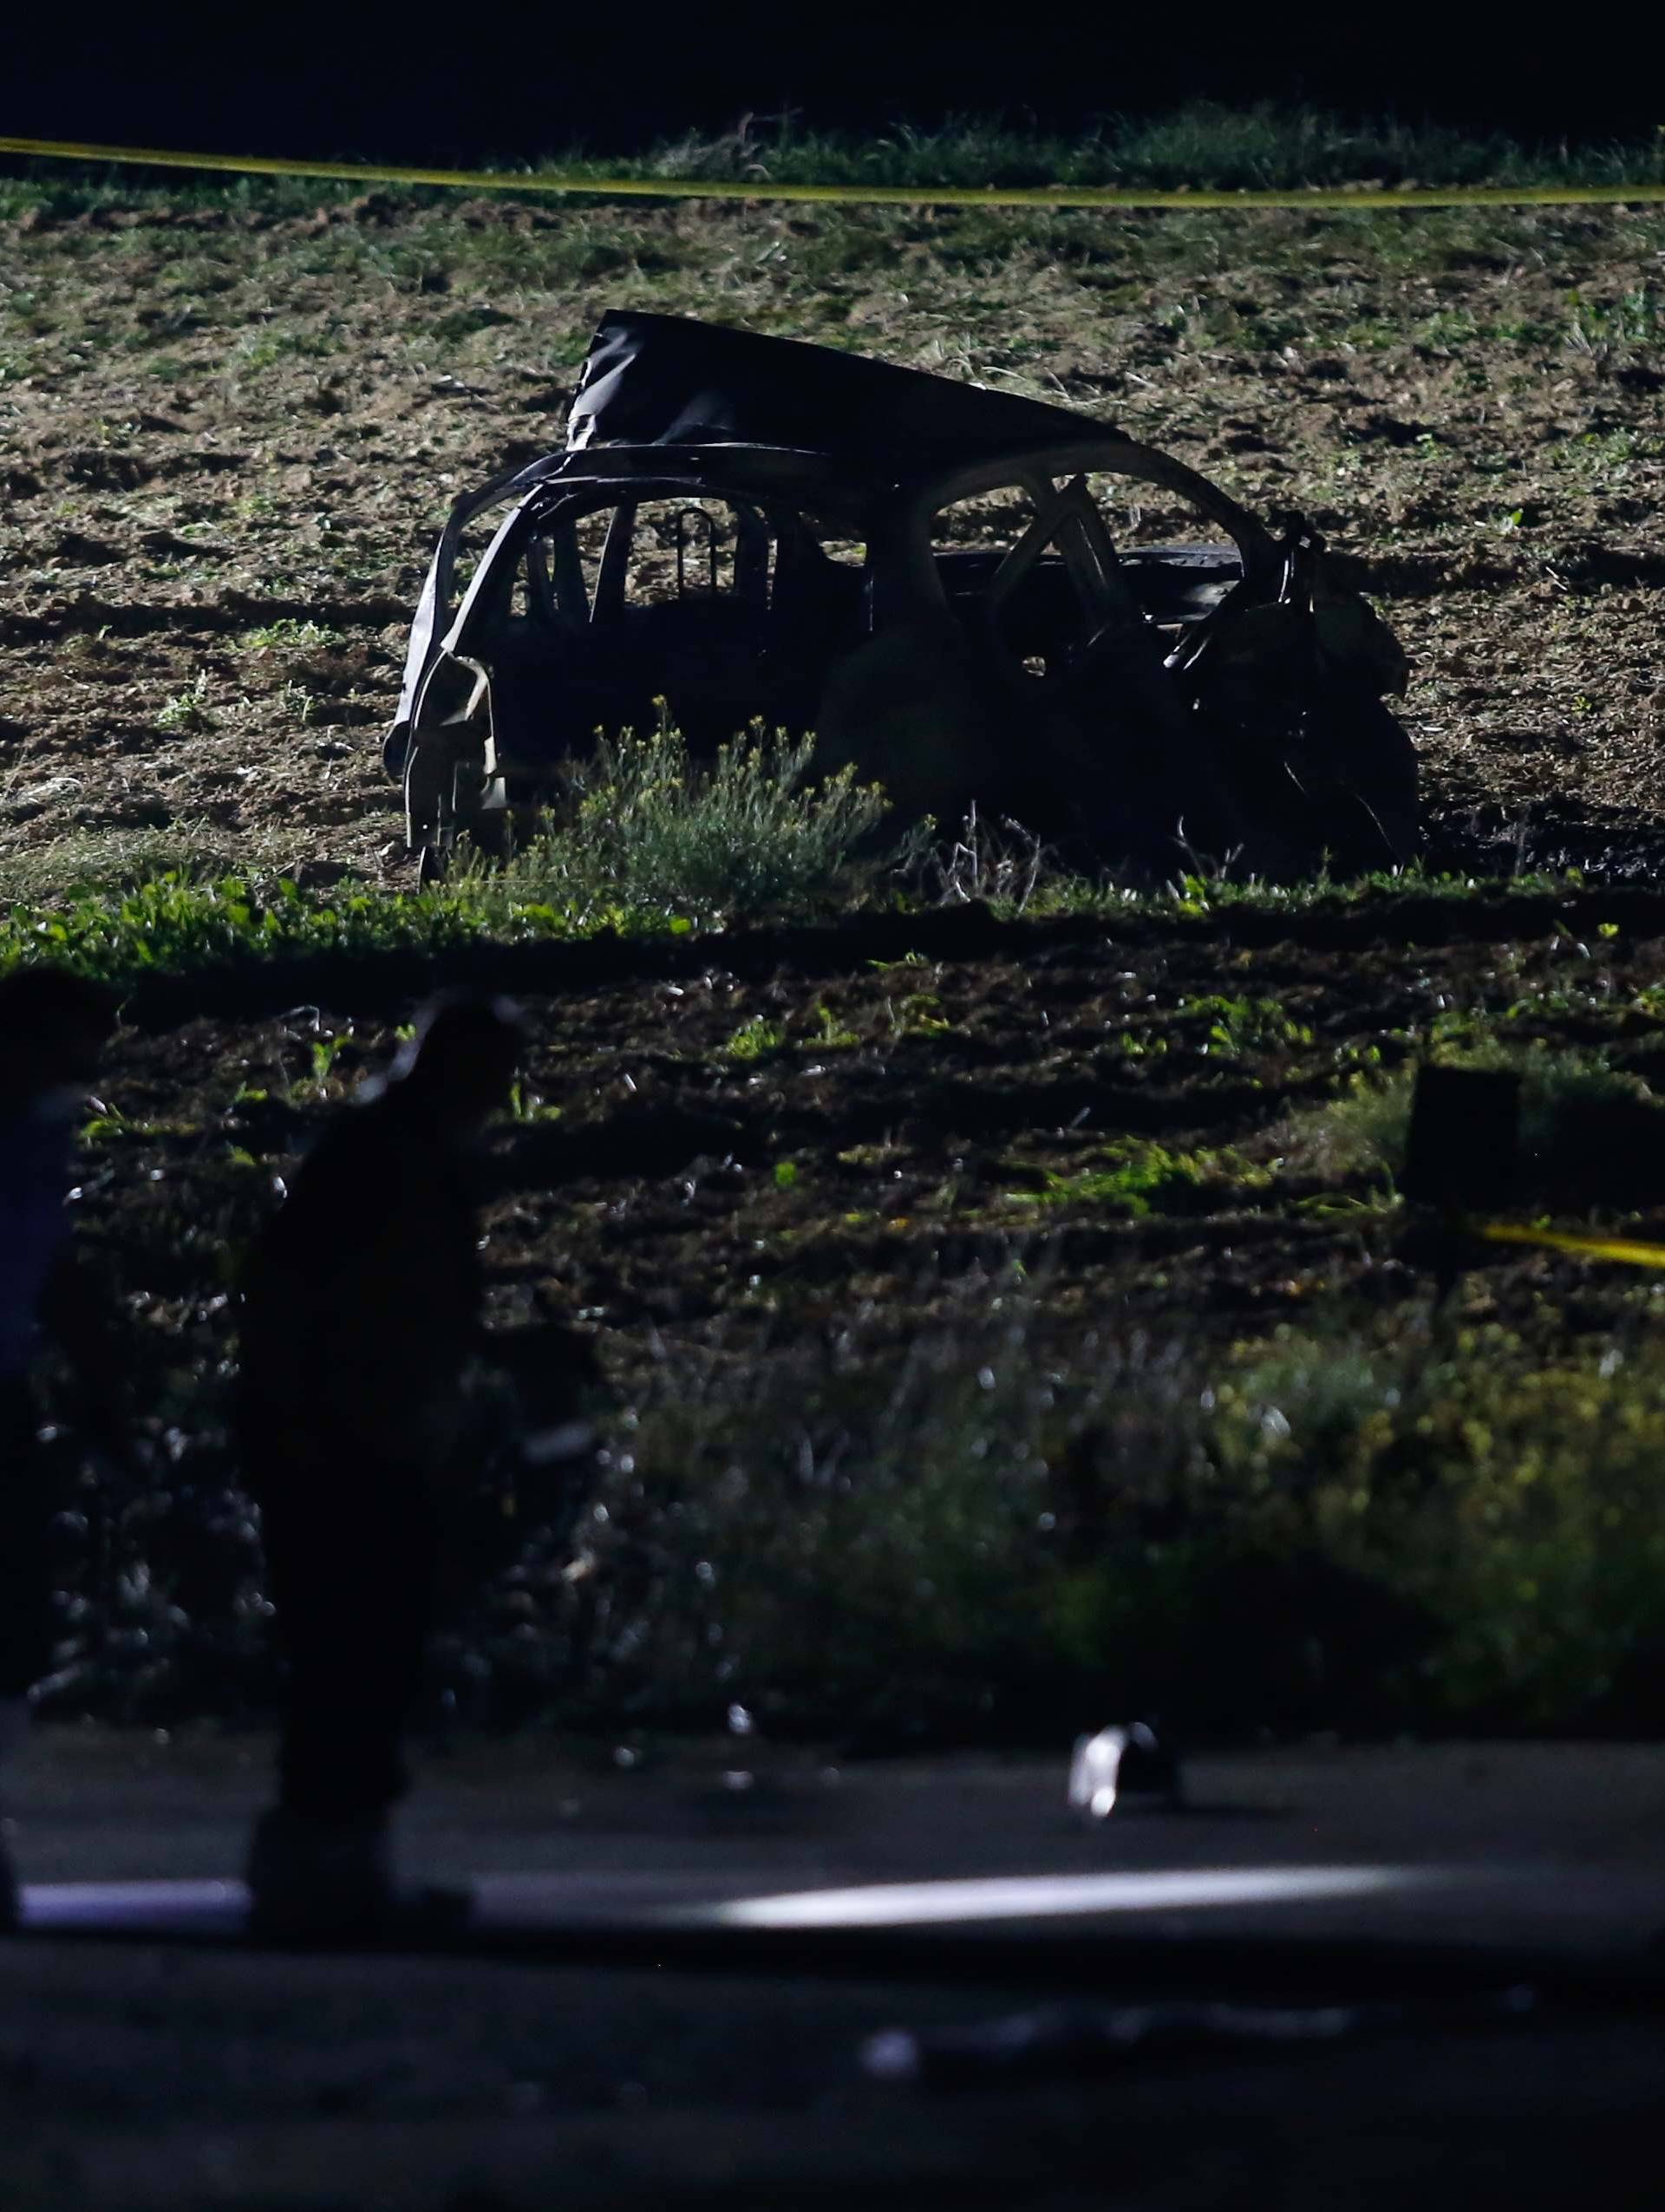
466	83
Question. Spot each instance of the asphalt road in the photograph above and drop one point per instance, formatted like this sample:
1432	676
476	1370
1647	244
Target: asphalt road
543	2067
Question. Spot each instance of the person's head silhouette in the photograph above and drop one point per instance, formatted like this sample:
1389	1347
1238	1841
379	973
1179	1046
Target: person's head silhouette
53	1027
459	1066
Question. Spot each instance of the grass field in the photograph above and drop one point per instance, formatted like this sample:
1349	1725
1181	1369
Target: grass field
1011	1318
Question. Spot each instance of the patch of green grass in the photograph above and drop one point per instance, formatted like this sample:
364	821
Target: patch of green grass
99	863
1604	457
459	323
1014	875
757	1038
829	1034
1616	330
1243	1025
1136	1176
528	1106
296	703
291	635
125	904
114	1126
266	350
188	710
1200	143
651	841
172	924
324	1052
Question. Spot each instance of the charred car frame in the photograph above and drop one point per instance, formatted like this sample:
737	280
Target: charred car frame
923	574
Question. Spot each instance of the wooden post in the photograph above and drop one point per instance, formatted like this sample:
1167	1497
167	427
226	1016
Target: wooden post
1462	1155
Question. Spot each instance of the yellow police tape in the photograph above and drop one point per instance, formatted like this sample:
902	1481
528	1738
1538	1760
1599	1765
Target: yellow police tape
260	164
1632	1250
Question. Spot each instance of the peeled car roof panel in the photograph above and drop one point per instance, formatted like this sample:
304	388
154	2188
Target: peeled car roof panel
663	380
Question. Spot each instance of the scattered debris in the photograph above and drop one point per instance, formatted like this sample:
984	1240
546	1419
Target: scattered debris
1118	1763
1058	2042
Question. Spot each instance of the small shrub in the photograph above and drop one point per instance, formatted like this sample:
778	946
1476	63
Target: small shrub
1001	864
995	1528
748	833
985	1533
188	710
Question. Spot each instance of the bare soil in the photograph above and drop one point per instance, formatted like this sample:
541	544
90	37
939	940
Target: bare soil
937	1130
232	429
225	415
935	1095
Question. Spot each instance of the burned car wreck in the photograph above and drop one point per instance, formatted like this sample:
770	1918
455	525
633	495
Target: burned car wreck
957	590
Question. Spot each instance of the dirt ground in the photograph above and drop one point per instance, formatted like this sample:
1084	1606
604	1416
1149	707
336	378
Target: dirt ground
742	1168
740	1142
233	427
233	423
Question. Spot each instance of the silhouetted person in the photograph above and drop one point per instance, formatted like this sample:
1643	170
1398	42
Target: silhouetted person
53	1027
362	1309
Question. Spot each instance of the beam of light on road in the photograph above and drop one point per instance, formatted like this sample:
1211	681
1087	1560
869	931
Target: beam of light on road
118	1904
1042	1896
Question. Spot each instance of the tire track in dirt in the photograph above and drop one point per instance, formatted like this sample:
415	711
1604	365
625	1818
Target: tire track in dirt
86	614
